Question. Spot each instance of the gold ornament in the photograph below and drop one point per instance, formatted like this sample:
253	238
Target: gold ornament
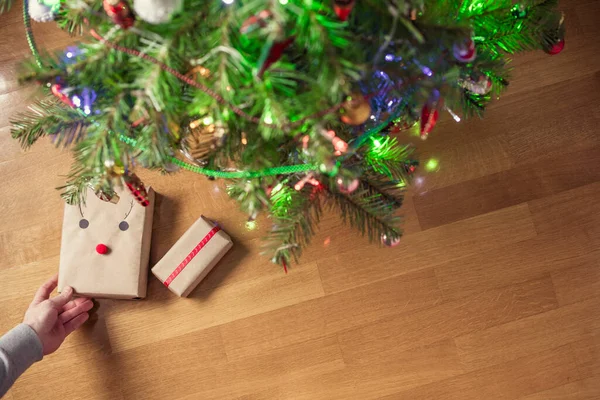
201	139
356	111
113	169
198	72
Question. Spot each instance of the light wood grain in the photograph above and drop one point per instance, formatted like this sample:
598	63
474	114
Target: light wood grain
527	336
493	293
540	372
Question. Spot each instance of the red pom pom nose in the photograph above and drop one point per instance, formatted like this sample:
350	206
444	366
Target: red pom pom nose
102	249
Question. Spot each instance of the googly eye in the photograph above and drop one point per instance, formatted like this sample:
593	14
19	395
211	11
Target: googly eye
123	226
83	223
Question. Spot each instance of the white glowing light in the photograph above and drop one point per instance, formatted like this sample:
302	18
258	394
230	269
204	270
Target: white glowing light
227	1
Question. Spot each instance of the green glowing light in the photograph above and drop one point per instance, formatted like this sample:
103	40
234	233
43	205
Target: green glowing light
283	2
251	225
207	120
277	188
377	143
268	119
432	164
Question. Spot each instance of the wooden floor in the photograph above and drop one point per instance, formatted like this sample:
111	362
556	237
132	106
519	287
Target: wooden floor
494	293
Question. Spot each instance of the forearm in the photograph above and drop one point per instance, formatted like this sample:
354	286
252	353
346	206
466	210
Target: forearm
19	349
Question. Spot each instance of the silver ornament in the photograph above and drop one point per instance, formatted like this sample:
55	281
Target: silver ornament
347	186
40	12
481	85
156	11
390	241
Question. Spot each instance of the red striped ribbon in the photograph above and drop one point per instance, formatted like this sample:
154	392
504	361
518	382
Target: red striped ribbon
191	256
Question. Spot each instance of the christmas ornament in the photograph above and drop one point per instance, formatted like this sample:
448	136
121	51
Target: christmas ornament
137	189
410	167
200	140
559	44
556	47
43	10
343	8
347	186
257	21
119	12
274	54
390	241
356	111
464	51
428	120
481	84
156	11
198	72
114	170
58	91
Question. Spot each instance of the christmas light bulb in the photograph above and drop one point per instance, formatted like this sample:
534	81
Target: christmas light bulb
432	164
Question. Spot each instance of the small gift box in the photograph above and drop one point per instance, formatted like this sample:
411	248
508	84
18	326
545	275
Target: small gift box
192	257
106	246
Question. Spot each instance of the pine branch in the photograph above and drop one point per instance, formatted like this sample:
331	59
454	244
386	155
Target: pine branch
371	215
250	195
390	191
386	156
295	217
5	6
49	117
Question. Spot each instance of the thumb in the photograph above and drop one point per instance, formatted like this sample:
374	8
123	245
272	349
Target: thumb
59	301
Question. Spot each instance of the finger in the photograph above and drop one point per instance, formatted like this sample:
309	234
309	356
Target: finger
62	299
74	303
75	323
75	311
43	293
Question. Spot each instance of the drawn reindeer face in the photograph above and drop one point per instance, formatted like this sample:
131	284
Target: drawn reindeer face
105	246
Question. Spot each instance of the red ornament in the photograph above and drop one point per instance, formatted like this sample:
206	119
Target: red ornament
556	47
137	189
343	8
102	249
428	120
275	54
465	52
56	90
259	20
119	12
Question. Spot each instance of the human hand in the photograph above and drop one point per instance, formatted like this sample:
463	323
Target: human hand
53	319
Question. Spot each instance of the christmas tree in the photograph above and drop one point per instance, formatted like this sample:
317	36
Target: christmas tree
300	104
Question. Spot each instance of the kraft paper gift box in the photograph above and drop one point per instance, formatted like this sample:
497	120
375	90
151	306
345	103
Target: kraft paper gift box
192	257
106	247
